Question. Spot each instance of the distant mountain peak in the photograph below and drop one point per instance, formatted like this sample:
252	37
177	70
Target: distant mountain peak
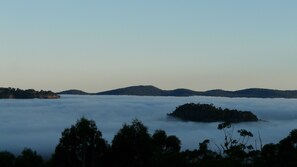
141	87
74	92
141	90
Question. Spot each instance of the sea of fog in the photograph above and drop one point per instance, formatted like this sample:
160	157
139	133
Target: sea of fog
38	123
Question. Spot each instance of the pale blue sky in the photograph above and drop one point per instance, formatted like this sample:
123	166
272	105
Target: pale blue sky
99	45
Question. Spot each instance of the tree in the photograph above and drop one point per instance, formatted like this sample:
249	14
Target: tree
166	150
269	155
29	158
131	146
164	143
238	152
207	157
6	159
81	145
287	150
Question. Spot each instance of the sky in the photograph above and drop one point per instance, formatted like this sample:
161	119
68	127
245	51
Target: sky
101	45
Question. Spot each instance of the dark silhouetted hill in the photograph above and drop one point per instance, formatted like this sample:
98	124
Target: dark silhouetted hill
74	92
253	92
180	92
135	90
266	93
149	90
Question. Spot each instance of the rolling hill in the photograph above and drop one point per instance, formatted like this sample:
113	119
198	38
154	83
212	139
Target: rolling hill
148	90
74	92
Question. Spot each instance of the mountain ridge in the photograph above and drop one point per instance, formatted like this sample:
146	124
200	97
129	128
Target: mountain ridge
149	90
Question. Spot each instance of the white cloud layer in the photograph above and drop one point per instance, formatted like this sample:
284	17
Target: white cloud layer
38	124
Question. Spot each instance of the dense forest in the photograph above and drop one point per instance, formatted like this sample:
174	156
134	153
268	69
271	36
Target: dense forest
210	113
82	145
12	93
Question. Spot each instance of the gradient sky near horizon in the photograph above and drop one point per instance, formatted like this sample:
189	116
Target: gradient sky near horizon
100	45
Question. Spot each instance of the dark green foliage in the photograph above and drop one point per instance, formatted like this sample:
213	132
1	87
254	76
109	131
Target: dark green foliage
132	146
6	159
224	125
209	113
164	143
81	145
29	158
283	154
205	156
269	155
287	150
166	150
12	93
237	152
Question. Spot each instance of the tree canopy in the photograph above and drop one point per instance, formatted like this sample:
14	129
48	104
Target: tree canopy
81	145
132	146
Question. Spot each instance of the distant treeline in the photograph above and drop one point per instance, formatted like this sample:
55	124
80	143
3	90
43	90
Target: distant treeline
82	145
210	113
12	93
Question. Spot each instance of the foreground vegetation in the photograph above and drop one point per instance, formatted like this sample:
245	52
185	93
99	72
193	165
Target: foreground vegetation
82	145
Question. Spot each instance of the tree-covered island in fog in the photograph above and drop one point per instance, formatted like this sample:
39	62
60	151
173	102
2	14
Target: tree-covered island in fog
209	113
12	93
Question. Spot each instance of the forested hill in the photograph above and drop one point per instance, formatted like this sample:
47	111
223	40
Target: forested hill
12	93
149	91
253	92
154	91
74	92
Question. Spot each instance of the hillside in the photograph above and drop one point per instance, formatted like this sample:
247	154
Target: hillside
12	93
135	90
73	92
253	92
149	90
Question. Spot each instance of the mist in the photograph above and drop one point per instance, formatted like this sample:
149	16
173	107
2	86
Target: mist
38	124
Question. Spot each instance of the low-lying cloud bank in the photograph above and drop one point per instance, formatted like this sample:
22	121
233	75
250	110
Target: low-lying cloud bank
38	124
